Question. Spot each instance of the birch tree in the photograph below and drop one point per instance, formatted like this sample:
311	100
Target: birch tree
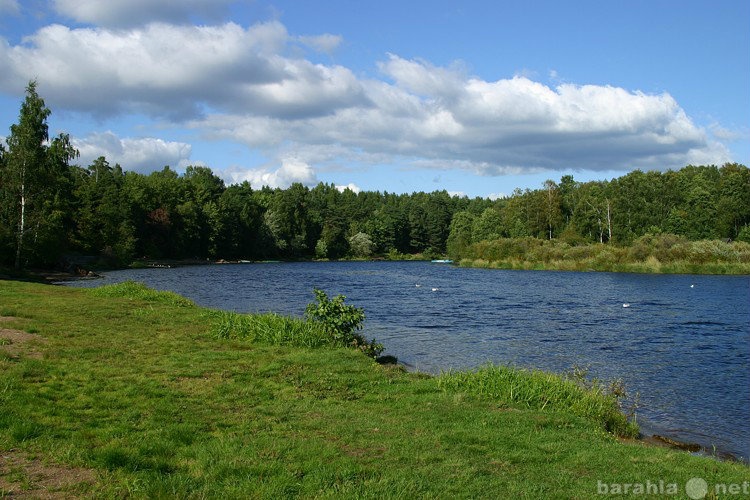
32	174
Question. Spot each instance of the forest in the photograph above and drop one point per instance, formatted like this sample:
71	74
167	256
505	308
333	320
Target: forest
52	210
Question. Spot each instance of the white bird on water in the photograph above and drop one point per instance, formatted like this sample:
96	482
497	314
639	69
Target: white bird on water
435	289
626	305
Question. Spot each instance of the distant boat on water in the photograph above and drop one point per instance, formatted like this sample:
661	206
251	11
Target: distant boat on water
442	261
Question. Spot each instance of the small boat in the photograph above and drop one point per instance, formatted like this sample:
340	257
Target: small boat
442	261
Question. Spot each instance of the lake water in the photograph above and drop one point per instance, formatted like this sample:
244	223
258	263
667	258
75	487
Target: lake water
682	342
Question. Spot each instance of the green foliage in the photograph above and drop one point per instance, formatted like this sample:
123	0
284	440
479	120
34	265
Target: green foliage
138	291
329	322
341	321
488	226
460	235
267	328
744	234
361	245
659	253
34	187
543	391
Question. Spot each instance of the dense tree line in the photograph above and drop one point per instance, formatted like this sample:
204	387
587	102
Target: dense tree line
50	208
696	202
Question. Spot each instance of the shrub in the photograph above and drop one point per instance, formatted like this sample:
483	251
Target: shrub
341	321
329	322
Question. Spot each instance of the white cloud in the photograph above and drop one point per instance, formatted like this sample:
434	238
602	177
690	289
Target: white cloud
138	154
291	170
127	13
177	71
729	135
496	196
422	78
325	43
351	187
441	119
9	7
241	84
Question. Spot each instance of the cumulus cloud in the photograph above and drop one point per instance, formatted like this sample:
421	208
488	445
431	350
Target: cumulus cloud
177	71
351	187
421	77
291	170
228	82
142	155
128	13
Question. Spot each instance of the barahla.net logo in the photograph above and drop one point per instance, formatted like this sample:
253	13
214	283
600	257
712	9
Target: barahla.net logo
695	489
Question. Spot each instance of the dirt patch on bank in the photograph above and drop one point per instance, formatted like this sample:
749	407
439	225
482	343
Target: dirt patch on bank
16	343
22	476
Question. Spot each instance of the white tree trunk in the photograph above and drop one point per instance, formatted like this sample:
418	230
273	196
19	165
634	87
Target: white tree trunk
21	226
22	221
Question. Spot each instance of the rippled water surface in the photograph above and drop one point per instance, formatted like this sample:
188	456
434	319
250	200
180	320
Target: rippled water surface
682	342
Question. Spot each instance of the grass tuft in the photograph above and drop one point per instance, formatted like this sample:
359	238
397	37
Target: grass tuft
539	390
139	291
267	328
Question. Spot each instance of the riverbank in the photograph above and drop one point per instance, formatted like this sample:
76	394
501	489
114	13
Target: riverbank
135	397
654	254
646	267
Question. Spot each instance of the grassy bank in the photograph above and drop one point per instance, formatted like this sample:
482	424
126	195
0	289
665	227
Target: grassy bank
664	253
137	393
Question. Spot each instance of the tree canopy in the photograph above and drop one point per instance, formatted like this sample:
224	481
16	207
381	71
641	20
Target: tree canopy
49	209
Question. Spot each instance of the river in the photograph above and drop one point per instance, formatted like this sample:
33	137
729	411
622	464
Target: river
682	342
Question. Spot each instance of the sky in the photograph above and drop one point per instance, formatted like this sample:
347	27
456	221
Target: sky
474	97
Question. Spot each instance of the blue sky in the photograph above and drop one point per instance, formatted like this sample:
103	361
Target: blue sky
474	97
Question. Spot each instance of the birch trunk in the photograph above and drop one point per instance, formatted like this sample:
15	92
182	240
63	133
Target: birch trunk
22	221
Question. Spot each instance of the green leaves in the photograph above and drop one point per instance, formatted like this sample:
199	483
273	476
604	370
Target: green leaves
341	321
33	185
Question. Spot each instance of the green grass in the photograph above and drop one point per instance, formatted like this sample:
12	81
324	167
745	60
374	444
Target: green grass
138	386
663	253
138	291
266	328
540	390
